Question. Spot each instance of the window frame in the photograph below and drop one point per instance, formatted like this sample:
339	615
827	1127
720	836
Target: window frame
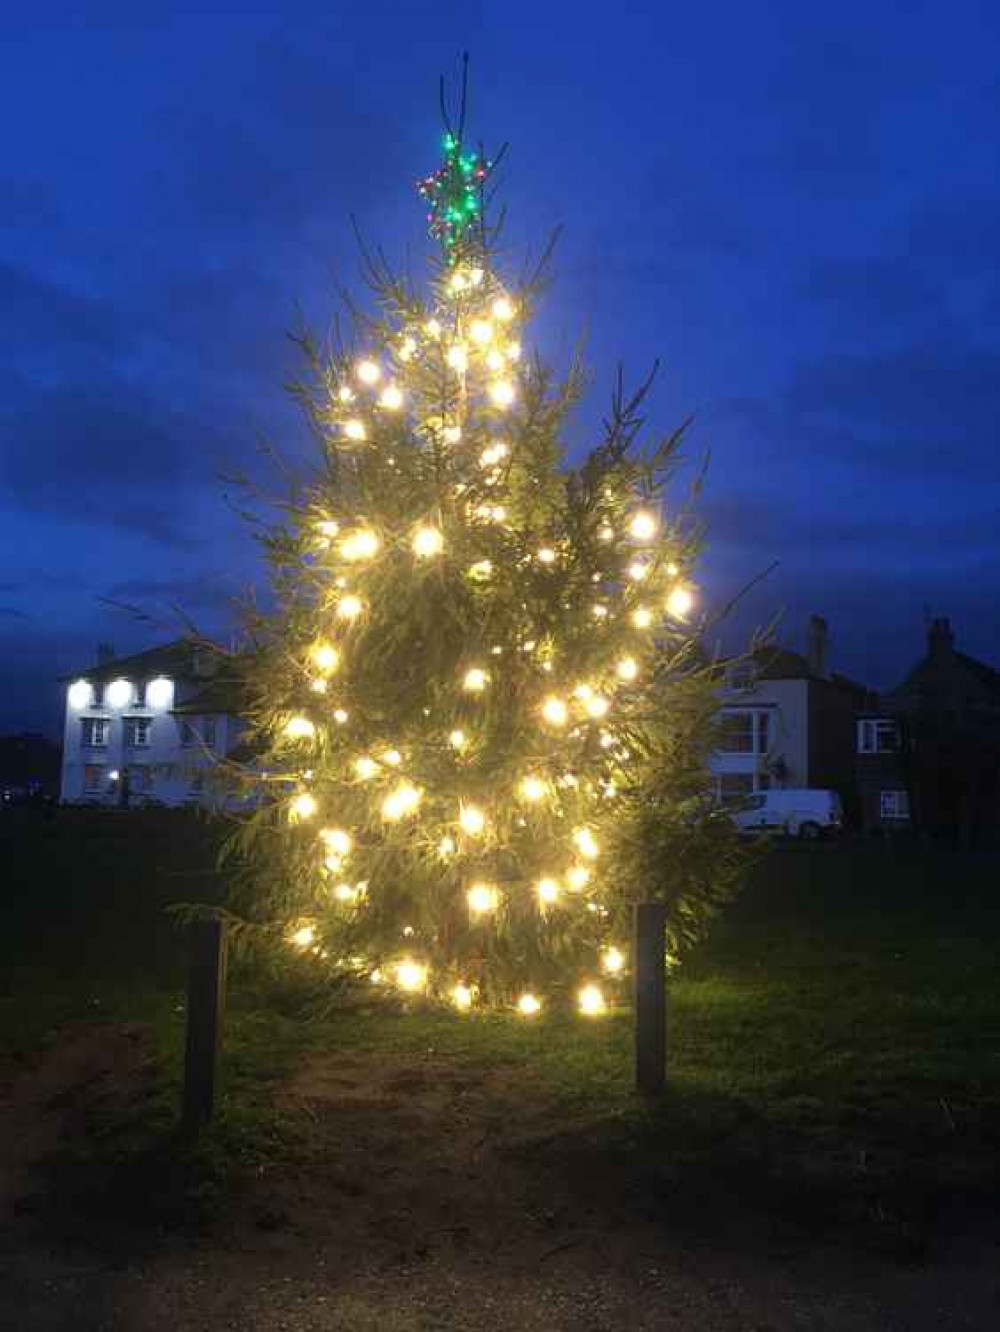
870	731
88	725
131	726
889	803
95	788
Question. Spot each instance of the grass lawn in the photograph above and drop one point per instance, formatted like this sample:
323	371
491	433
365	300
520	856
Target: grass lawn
835	1046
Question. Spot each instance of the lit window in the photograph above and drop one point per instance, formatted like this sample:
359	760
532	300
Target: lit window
894	805
93	778
878	735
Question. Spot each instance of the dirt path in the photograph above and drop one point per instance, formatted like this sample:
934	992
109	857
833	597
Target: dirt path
434	1198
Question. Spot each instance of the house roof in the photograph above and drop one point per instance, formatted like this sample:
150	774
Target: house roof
176	659
226	693
780	663
935	673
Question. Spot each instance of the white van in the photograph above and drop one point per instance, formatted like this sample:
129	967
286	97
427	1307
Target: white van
797	813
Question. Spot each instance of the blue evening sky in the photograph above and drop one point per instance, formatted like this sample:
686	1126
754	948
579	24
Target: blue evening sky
796	207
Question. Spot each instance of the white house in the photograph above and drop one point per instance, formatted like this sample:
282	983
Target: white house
148	728
786	720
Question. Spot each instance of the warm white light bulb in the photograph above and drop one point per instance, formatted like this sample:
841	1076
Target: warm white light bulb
501	393
458	357
452	434
643	526
502	309
481	570
340	716
337	840
361	544
613	961
457	739
354	429
368	372
638	570
393	757
365	768
304	806
583	840
433	328
482	897
325	657
411	975
299	728
472	820
461	997
401	802
391	398
427	542
591	1001
408	347
349	607
494	359
528	1005
606	533
548	890
642	617
627	668
546	555
578	876
596	706
475	680
303	937
680	602
554	711
533	789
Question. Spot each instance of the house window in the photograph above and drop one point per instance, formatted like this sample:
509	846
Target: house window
140	777
878	735
137	732
93	777
744	732
200	732
894	804
95	732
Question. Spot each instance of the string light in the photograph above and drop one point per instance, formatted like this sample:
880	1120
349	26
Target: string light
365	768
349	607
528	1005
355	429
393	757
400	803
360	544
613	961
494	360
638	570
475	680
599	611
304	806
642	617
458	357
555	712
452	434
494	454
340	716
481	331
548	890
533	789
546	555
410	975
590	1001
501	393
481	570
596	706
502	309
368	372
299	728
345	394
606	533
328	528
482	898
345	892
461	997
407	349
457	739
325	657
643	527
427	542
433	329
447	846
472	820
583	840
680	602
627	668
303	937
578	876
336	840
391	398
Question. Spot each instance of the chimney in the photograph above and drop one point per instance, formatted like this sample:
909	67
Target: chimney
940	639
105	653
816	645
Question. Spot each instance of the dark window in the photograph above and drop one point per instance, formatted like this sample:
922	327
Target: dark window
136	731
93	776
95	732
878	735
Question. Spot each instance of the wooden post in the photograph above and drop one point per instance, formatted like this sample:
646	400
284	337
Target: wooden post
650	1000
205	1010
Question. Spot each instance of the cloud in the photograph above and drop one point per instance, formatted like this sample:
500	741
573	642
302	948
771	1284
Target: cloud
204	592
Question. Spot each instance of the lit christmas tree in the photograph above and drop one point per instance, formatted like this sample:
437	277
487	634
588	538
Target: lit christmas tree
482	716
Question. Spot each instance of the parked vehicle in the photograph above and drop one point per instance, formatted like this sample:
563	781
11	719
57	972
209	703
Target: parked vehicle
795	812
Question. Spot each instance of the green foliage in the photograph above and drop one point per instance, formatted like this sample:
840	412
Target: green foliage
431	419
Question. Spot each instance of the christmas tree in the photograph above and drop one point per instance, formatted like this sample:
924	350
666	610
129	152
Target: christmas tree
481	717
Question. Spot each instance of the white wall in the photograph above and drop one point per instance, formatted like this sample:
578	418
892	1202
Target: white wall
171	763
787	702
